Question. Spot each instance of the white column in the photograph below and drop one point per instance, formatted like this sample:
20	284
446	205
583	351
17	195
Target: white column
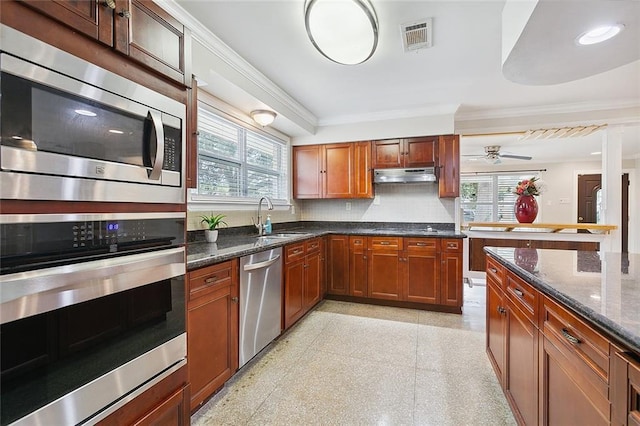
612	184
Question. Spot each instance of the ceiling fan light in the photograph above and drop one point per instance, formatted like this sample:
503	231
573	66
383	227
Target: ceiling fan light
344	31
599	34
263	117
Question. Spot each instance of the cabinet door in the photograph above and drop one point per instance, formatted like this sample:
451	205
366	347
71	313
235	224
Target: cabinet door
496	331
212	342
449	166
521	385
174	410
384	274
388	154
90	17
338	171
451	272
192	136
420	152
338	265
363	171
358	266
564	401
312	280
293	292
148	34
421	277
307	171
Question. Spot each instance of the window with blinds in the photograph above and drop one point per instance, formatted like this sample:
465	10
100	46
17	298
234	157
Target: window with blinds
236	162
489	197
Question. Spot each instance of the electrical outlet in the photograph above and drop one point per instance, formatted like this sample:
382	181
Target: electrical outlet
565	201
348	206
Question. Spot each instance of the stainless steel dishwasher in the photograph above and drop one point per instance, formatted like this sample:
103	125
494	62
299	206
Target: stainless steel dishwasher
260	301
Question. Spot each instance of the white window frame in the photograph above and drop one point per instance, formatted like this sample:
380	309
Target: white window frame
198	202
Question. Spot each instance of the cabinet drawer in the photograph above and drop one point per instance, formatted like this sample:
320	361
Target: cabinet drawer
494	269
451	245
523	295
358	242
294	252
420	244
208	279
312	246
587	345
385	243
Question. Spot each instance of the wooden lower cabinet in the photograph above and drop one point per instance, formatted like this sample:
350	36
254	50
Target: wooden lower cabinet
358	271
496	328
302	279
212	329
338	264
166	403
451	272
421	260
625	389
385	281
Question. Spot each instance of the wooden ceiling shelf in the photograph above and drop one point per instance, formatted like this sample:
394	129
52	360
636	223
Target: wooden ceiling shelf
538	227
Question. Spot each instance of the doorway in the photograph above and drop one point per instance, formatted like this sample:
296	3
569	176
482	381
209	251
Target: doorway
589	197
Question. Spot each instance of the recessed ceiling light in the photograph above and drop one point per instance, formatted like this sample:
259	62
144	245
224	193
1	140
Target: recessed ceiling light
600	34
596	153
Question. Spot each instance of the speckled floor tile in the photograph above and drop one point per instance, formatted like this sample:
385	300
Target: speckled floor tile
333	389
355	364
446	400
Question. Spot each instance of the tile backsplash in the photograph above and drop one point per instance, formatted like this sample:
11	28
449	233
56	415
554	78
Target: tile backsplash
394	203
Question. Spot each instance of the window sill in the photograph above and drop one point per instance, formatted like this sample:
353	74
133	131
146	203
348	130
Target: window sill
203	203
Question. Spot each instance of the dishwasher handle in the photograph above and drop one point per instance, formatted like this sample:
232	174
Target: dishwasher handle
260	265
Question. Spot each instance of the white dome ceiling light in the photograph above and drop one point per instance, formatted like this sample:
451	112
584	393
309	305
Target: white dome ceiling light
263	117
599	34
344	31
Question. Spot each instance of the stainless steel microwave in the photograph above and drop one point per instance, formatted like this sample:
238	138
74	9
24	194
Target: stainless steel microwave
72	131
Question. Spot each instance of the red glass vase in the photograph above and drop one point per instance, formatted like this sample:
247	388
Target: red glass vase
526	209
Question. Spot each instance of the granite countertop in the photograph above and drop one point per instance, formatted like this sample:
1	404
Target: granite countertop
242	242
604	288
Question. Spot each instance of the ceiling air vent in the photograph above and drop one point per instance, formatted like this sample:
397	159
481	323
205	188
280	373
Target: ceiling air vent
417	35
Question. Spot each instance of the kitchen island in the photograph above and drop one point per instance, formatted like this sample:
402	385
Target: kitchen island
563	334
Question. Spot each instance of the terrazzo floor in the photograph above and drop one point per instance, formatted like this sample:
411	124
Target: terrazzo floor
356	364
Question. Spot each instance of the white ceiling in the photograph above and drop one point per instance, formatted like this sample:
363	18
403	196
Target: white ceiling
462	71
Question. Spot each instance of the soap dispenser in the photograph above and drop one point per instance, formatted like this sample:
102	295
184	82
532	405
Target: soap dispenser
267	225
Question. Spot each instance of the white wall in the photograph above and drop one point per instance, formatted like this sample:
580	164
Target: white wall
418	203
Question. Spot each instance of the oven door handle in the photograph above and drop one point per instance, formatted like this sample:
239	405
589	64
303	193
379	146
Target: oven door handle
24	294
156	119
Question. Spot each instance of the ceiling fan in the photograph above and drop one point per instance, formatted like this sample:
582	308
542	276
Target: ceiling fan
493	155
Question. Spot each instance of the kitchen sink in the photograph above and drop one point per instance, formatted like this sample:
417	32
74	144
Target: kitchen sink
272	238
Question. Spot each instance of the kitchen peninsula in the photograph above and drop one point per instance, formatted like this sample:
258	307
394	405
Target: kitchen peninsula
563	334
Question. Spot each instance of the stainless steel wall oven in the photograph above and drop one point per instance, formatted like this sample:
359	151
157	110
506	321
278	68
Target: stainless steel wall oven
92	311
75	132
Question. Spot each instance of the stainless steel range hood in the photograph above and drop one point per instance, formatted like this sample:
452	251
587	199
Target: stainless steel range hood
414	175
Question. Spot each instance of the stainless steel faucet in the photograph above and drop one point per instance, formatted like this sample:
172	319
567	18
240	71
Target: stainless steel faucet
259	224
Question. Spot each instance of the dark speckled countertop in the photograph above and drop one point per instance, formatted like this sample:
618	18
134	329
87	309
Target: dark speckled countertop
604	288
240	242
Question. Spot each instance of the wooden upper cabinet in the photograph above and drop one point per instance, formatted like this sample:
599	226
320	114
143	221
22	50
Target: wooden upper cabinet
340	170
149	35
192	135
411	152
449	166
90	17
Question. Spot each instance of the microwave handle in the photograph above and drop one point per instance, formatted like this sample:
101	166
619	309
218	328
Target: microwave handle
156	170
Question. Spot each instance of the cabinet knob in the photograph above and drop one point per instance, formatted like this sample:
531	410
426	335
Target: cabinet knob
234	299
501	310
111	4
125	13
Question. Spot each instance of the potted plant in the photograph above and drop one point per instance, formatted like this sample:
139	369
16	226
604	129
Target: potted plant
213	222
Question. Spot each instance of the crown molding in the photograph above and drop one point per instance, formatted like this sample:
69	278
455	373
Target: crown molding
547	109
209	40
445	109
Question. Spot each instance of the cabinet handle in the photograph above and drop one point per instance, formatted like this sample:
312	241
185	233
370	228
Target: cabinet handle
501	310
494	270
518	293
384	243
211	279
296	251
364	257
234	299
125	13
570	338
111	4
421	244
